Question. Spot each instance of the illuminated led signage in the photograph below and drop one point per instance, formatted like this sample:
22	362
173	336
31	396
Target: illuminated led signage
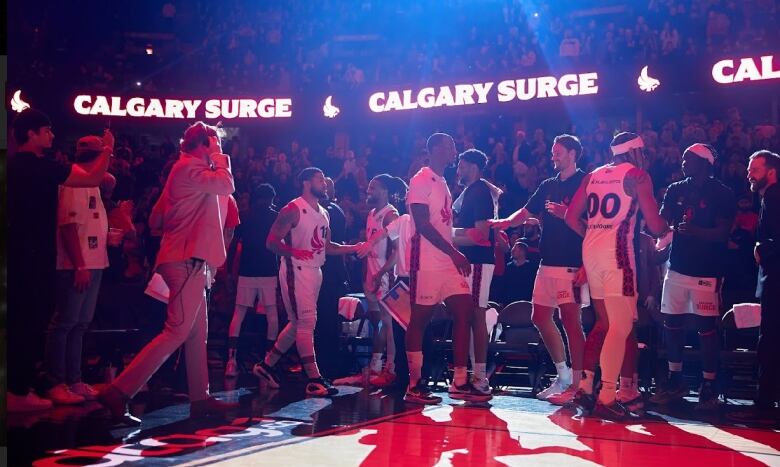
481	93
746	69
182	109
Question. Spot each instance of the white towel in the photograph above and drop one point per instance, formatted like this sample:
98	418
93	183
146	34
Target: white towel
348	307
491	318
157	288
747	315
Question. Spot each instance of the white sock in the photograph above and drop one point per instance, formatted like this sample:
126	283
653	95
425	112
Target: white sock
415	360
564	373
479	371
376	362
576	377
460	375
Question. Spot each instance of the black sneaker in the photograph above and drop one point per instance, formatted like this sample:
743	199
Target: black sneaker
615	412
419	394
320	387
581	401
261	370
467	392
708	397
670	392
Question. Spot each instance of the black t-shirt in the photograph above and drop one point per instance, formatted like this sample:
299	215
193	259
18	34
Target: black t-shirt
477	205
334	271
256	259
559	245
33	184
702	207
768	234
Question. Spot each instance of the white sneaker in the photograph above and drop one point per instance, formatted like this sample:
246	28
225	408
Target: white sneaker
62	395
84	390
557	387
231	368
563	397
28	403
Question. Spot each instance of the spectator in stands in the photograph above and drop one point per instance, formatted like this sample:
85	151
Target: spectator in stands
82	235
33	184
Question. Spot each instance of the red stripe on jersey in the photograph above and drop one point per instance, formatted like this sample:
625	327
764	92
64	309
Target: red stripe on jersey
622	251
414	266
476	283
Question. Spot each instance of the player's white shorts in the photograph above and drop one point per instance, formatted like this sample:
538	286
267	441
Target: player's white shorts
554	286
300	287
262	289
688	294
433	287
384	287
607	279
479	283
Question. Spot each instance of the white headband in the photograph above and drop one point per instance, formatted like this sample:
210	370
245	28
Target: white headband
702	151
623	148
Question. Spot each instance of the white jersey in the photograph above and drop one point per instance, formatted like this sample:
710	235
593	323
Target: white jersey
430	189
310	233
375	223
612	215
401	230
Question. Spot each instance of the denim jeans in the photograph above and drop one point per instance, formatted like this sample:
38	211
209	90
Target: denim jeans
73	314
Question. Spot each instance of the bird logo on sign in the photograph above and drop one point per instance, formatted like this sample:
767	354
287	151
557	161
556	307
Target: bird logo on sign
646	82
17	104
330	110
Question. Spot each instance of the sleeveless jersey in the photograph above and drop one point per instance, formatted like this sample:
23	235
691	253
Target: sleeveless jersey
374	223
430	189
310	233
612	216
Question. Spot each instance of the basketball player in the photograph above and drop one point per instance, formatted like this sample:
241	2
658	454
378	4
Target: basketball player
380	216
561	252
258	273
438	272
702	210
474	238
301	236
612	196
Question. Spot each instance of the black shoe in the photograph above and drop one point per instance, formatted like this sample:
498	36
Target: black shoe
582	401
261	370
419	394
116	402
708	397
320	387
615	412
670	392
468	393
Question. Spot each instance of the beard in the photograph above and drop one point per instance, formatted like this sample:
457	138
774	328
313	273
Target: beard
319	194
371	201
758	185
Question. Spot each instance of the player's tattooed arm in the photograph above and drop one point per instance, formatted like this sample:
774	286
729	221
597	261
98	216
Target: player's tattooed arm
287	219
638	185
